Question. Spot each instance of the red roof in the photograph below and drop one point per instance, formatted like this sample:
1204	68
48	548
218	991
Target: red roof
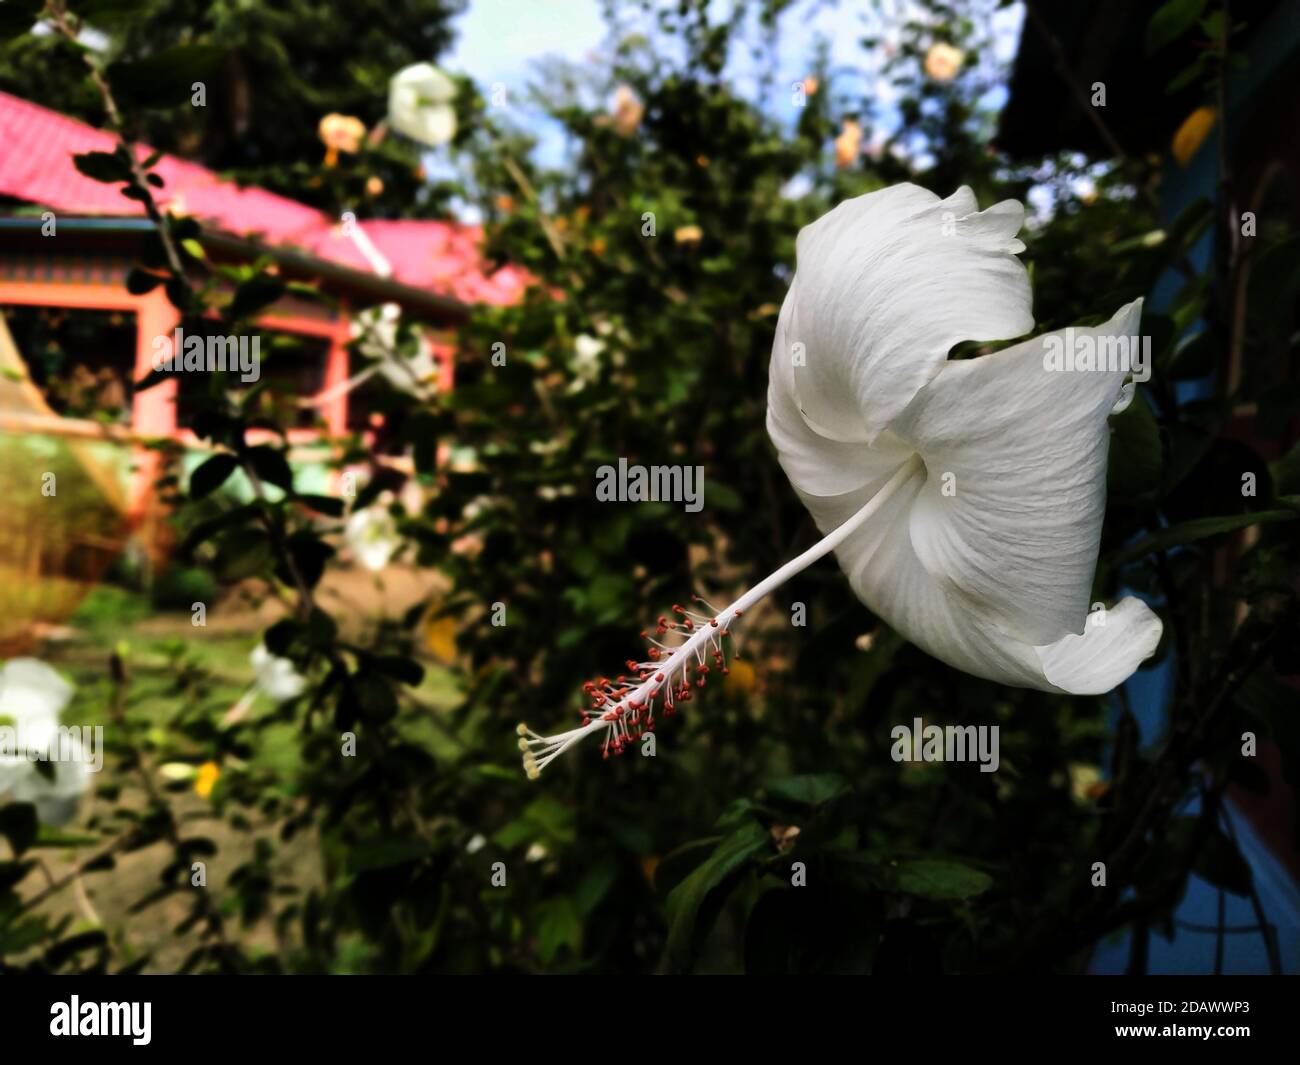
36	165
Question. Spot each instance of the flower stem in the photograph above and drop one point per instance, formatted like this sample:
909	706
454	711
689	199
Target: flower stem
659	674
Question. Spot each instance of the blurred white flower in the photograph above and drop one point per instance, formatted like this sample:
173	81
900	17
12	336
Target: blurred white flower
587	350
32	695
420	99
275	677
415	373
372	536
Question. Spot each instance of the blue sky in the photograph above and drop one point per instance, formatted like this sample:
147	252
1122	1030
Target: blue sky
500	41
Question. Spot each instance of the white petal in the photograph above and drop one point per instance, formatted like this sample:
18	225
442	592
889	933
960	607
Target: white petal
887	283
32	695
815	464
419	98
1106	654
1022	451
887	575
372	536
275	676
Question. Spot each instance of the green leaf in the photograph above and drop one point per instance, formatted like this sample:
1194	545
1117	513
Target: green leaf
102	12
385	854
684	901
243	553
941	879
1198	529
138	282
595	885
254	295
108	167
327	505
271	466
1171	20
810	789
406	670
310	553
544	821
558	925
164	79
18	824
1186	76
212	475
1136	457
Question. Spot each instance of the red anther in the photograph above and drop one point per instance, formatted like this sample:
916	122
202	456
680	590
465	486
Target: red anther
654	694
643	635
738	612
725	632
630	664
700	683
686	695
654	654
677	609
726	671
661	620
659	677
713	622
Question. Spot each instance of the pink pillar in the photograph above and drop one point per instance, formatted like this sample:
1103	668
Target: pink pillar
334	411
153	411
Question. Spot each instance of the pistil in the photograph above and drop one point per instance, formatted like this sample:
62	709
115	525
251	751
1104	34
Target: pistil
624	706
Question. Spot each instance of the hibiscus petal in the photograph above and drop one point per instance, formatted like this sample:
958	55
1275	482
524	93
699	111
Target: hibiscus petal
1105	655
1009	519
886	574
887	283
813	463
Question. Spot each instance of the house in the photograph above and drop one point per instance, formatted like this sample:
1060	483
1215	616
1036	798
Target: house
67	243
